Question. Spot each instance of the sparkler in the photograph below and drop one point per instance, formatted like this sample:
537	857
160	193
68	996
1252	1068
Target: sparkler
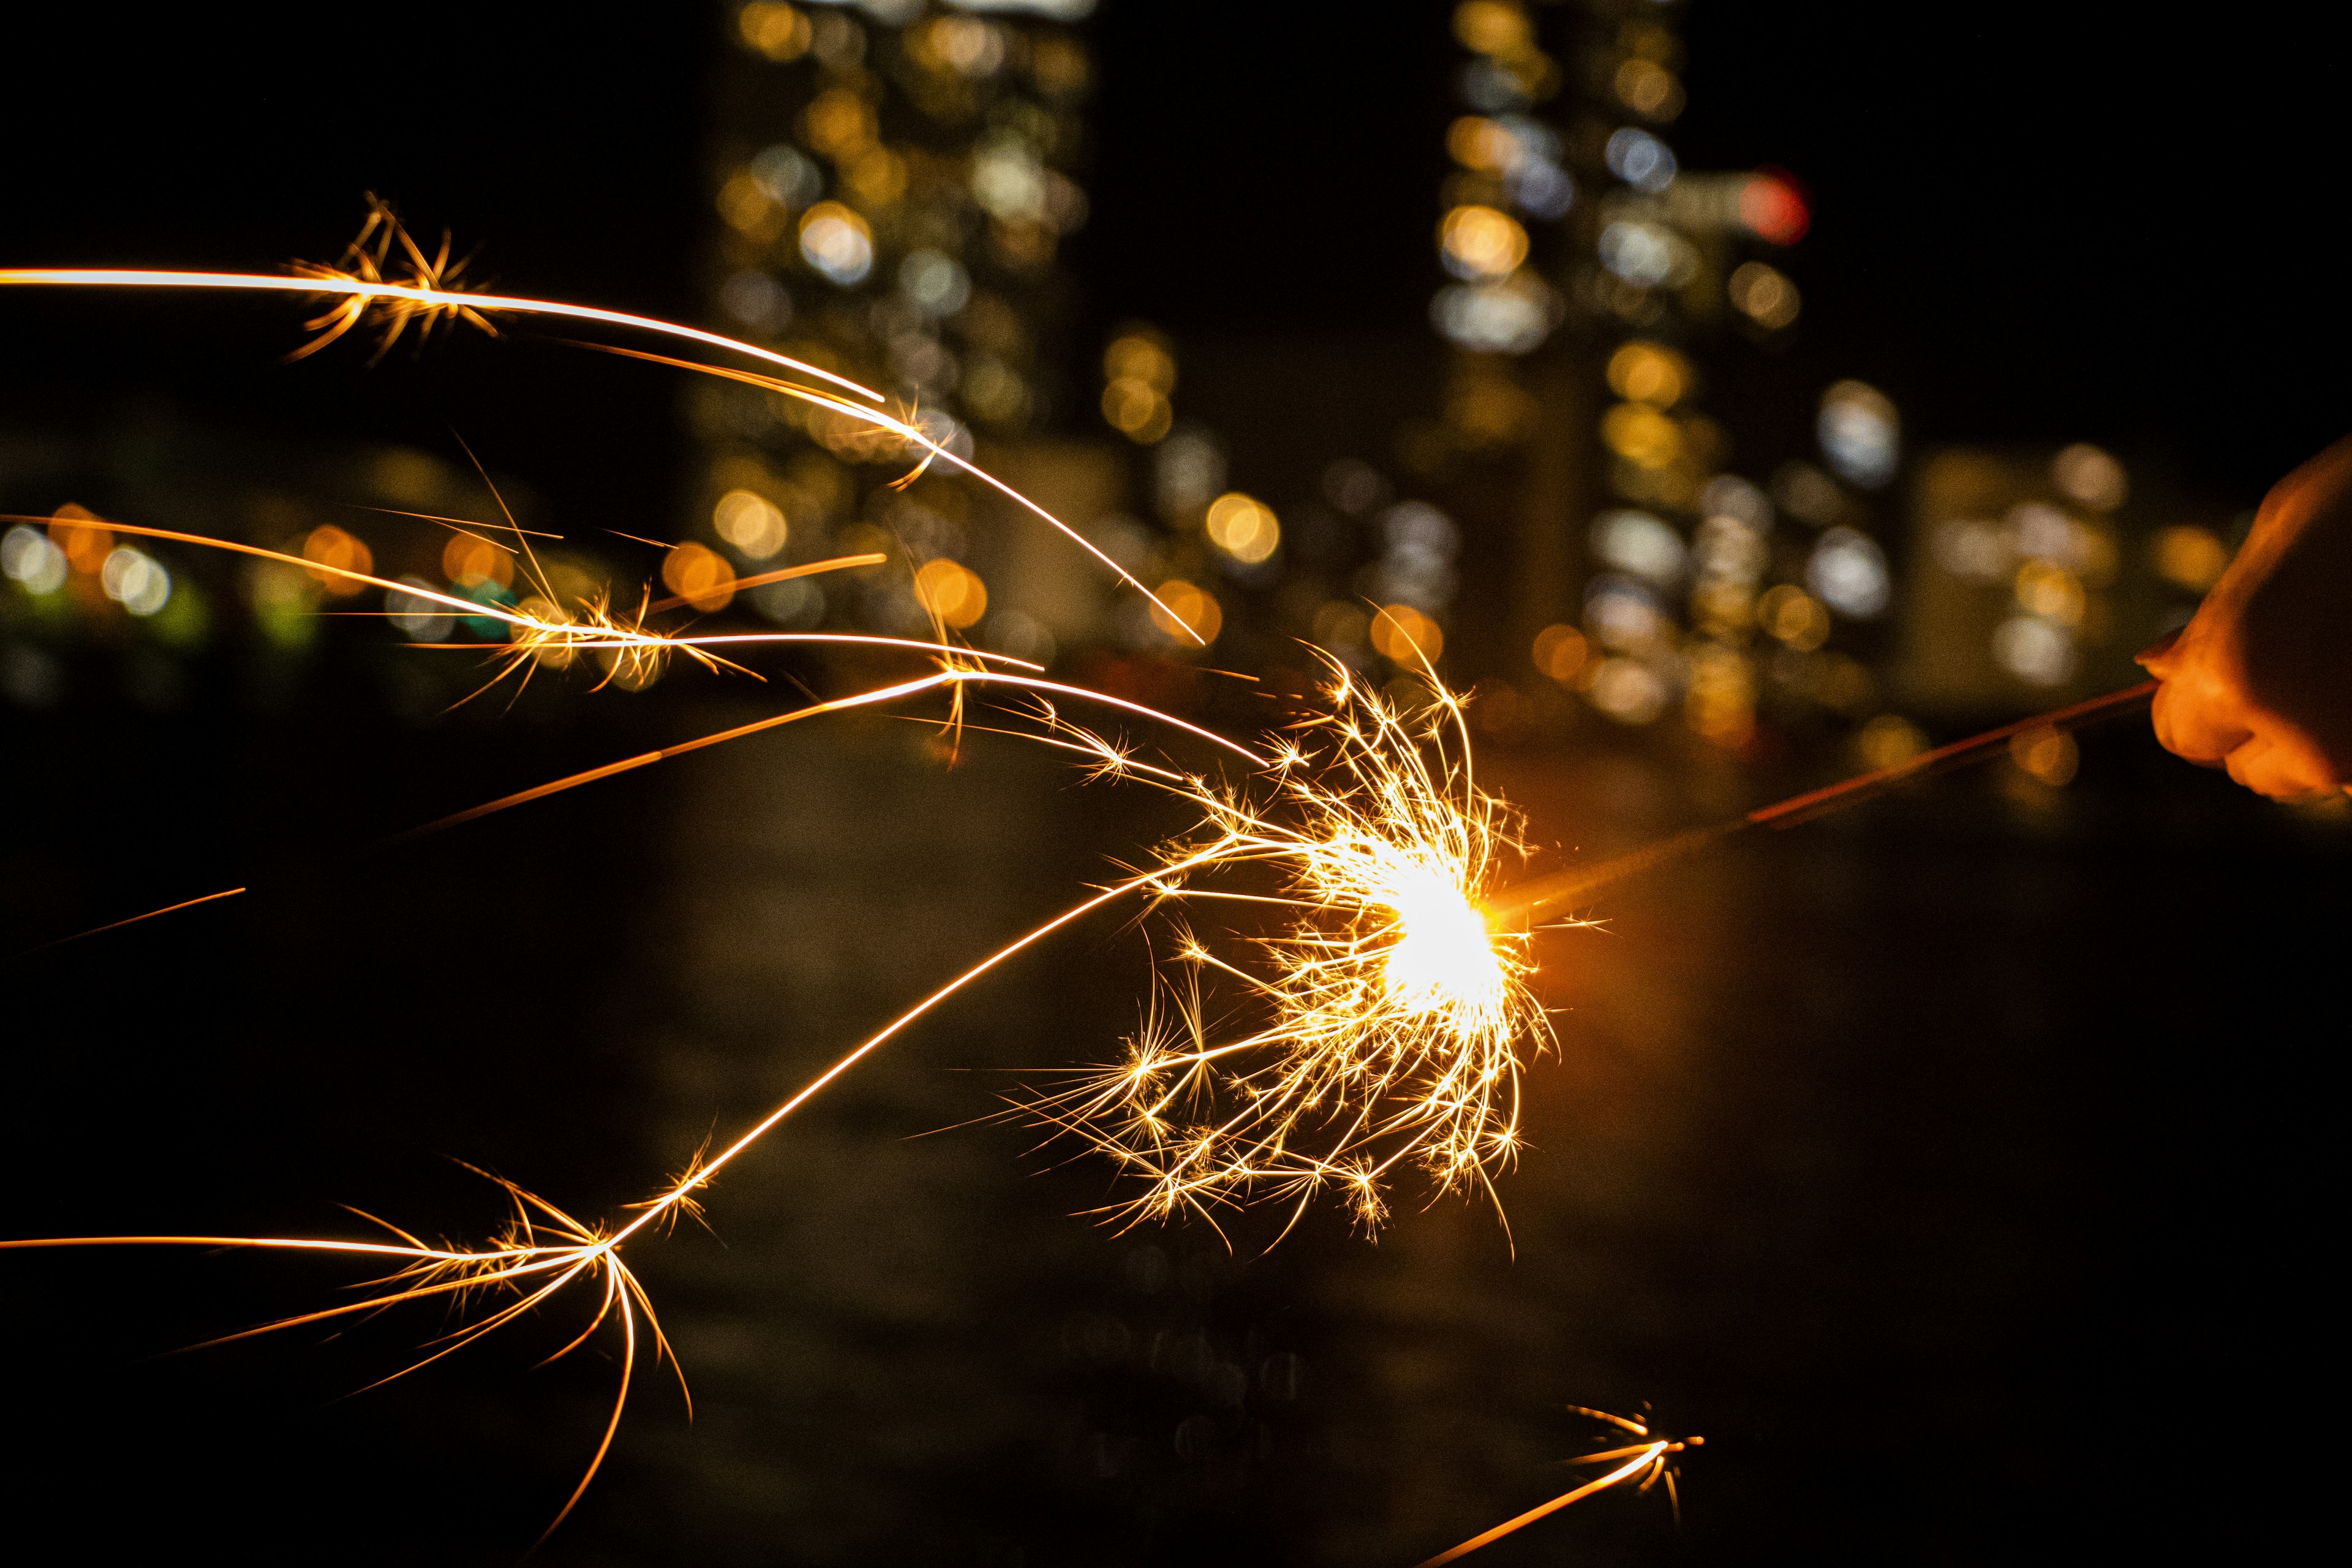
1381	1026
1388	1017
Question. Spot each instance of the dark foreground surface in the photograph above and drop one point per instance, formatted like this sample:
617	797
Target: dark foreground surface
1949	1166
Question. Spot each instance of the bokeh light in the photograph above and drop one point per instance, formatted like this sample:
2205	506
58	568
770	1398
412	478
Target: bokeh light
31	560
2094	478
330	546
2184	555
1644	372
750	523
1481	244
953	591
2049	755
469	562
1194	610
1243	527
837	243
1402	634
135	580
1560	652
1764	295
699	575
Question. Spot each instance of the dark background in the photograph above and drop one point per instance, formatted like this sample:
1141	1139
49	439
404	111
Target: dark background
1951	1177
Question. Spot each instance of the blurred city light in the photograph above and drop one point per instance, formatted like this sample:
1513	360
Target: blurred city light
953	591
699	575
1773	209
1243	527
1560	652
135	580
2184	554
32	561
1848	572
1641	159
2090	476
331	547
468	562
1639	543
837	242
752	523
1193	607
1860	433
1402	634
1481	244
1764	295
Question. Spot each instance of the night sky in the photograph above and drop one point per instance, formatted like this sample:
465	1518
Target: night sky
2033	223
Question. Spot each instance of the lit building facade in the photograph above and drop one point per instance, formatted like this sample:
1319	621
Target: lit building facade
893	181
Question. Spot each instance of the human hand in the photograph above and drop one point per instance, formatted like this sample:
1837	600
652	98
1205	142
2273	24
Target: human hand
2261	679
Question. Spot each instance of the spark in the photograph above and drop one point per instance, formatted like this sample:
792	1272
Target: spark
1651	1459
430	290
1386	1017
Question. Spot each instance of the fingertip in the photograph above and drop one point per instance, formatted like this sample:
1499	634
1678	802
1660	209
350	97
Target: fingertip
2148	658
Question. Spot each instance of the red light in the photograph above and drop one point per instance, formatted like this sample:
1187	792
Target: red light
1774	209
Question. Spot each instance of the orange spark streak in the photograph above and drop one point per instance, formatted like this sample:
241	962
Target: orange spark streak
1633	1467
367	290
134	920
437	298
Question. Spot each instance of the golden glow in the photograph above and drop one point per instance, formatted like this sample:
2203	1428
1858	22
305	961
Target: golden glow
2049	755
699	575
840	124
1644	372
2189	557
1642	436
76	532
776	30
1476	142
1243	527
951	592
1491	27
749	209
1141	356
1889	740
2047	589
1560	652
750	523
1793	616
1764	295
1137	410
1649	89
331	547
1405	636
1482	243
467	559
1187	612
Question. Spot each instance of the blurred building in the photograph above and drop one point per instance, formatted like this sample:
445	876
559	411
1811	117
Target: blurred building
892	182
2036	574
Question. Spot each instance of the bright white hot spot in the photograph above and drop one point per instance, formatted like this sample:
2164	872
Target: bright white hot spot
1444	957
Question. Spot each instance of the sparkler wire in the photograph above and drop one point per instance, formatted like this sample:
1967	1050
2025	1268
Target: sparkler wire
1533	899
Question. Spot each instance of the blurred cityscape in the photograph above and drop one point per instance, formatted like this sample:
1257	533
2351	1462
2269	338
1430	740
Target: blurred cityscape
1567	521
1872	1150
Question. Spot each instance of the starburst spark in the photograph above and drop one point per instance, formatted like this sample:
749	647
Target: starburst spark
1384	1020
1650	1458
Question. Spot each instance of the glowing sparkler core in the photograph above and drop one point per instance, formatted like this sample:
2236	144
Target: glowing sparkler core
1390	1020
1444	956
